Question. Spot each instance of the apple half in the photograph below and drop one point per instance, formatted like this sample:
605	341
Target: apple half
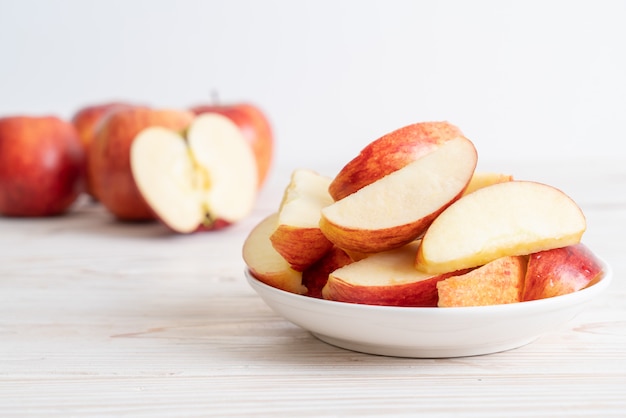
399	207
387	278
265	263
200	180
511	218
298	237
482	179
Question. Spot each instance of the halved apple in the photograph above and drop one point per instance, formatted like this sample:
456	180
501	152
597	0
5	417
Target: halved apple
560	271
385	278
482	179
201	180
298	237
265	263
389	153
397	208
497	282
510	218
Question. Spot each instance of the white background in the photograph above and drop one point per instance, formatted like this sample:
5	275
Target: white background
529	80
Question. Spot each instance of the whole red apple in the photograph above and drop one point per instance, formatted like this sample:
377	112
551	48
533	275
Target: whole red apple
41	165
256	128
109	167
86	120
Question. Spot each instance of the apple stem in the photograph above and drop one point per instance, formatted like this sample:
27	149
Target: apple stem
215	97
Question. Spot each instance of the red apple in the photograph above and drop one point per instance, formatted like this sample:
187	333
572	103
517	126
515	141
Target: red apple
255	126
560	271
87	120
109	158
389	153
41	165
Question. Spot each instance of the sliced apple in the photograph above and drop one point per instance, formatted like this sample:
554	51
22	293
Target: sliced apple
482	179
389	153
386	278
511	218
265	263
204	179
560	271
298	237
397	208
497	282
316	275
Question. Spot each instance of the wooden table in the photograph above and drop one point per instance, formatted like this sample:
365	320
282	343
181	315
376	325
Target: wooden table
100	318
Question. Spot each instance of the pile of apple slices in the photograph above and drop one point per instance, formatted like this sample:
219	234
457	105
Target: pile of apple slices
409	222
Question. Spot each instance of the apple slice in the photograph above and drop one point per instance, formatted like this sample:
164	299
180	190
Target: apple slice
204	180
485	178
298	237
389	153
560	271
316	275
497	282
385	278
397	208
510	218
265	263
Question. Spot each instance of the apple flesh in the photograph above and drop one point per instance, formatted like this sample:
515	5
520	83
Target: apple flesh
41	166
389	153
109	168
510	218
255	127
399	207
298	237
387	278
265	263
191	182
560	271
497	282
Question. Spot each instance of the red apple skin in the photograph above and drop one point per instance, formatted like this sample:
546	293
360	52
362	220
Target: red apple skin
255	126
390	153
109	158
416	294
314	277
87	121
560	271
41	166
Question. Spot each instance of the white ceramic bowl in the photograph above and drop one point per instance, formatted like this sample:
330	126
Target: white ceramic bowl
427	332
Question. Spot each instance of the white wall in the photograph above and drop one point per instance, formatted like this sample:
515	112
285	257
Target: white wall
523	79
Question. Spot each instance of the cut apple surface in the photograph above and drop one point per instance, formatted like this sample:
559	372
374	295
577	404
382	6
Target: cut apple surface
510	218
389	153
298	237
388	278
397	208
495	283
560	271
265	263
195	181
